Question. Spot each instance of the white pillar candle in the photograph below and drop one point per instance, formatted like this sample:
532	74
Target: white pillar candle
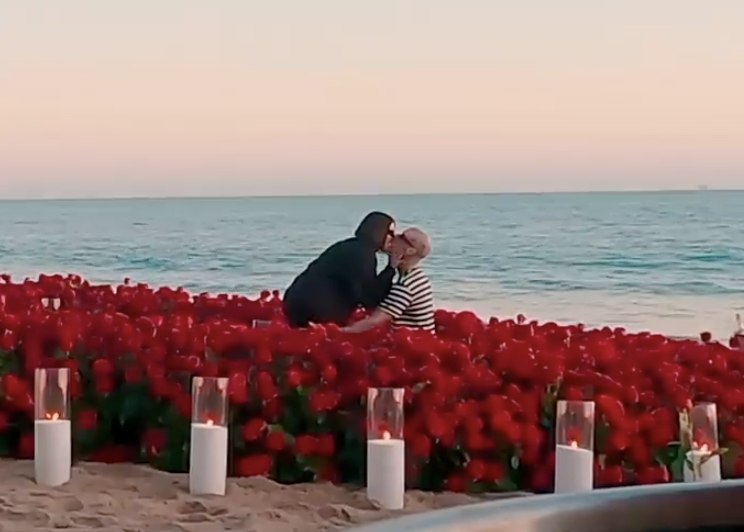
574	469
386	473
208	459
52	451
710	471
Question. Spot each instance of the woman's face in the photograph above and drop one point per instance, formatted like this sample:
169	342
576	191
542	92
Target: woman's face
389	237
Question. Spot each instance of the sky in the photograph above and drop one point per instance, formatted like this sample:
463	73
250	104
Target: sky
253	97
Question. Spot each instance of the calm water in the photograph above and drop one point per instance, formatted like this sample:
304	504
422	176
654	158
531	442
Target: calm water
671	262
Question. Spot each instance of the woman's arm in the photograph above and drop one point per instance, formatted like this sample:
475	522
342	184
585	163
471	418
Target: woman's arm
393	306
377	318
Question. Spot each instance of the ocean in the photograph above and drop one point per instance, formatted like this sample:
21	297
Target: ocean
670	262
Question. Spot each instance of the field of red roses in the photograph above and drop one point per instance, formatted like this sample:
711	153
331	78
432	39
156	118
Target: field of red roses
479	395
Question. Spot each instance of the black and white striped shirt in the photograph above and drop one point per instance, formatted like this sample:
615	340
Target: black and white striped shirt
410	302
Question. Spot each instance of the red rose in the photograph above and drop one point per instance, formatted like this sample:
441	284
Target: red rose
253	465
102	367
612	409
26	445
455	483
184	405
159	387
477	441
382	376
326	445
237	384
275	441
571	393
328	374
661	435
253	429
262	356
475	469
512	433
435	425
500	421
541	479
8	340
471	423
638	452
12	386
532	436
610	476
3	421
305	445
293	378
265	387
420	446
132	375
328	473
104	385
494	471
24	403
271	409
317	402
153	441
87	419
616	441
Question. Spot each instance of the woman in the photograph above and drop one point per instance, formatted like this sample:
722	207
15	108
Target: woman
343	277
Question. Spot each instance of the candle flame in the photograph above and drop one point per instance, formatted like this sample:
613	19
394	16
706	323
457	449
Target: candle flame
52	415
704	448
210	422
385	435
574	445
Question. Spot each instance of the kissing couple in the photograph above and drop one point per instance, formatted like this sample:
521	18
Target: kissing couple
344	278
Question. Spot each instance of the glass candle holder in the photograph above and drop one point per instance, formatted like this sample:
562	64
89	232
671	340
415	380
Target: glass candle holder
386	449
52	394
385	413
209	436
574	450
704	425
209	395
574	424
699	428
52	426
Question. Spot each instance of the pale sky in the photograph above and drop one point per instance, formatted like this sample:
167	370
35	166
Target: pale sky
240	97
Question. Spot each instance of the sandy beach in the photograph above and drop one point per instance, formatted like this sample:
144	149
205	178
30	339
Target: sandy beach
132	498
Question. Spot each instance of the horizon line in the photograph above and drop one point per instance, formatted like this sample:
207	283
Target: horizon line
364	195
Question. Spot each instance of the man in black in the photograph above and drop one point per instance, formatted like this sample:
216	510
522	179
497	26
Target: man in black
343	277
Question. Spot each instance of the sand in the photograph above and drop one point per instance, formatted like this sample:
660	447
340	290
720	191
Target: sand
133	498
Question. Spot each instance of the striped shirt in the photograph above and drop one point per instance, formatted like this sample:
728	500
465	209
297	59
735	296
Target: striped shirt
410	302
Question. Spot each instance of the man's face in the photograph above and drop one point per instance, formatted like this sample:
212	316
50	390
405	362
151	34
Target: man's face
401	246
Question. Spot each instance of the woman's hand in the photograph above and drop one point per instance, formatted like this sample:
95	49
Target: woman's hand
394	259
